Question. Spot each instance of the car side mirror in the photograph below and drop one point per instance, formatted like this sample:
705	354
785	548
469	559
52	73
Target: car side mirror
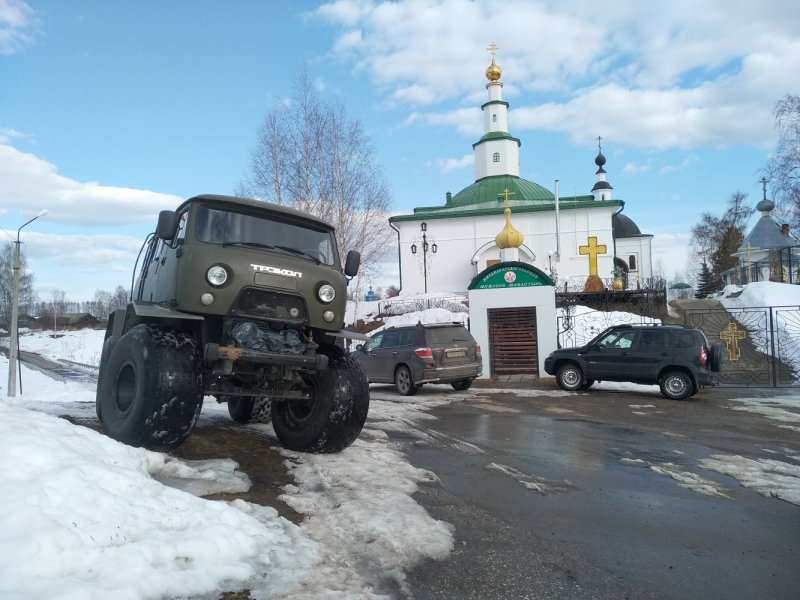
359	347
352	263
167	224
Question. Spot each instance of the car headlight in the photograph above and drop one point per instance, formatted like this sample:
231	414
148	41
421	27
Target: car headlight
217	275
327	293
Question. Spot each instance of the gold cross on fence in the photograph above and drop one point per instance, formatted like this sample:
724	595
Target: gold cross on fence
592	250
732	335
506	193
492	49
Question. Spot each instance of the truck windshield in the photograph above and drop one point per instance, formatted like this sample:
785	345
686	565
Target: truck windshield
219	226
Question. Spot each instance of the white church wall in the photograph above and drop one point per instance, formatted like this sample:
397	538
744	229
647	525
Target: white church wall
543	298
495	117
459	238
640	248
508	163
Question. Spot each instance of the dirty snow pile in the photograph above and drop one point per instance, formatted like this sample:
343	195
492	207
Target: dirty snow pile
83	516
368	311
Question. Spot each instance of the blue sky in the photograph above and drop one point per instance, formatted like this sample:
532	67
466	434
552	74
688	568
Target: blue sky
112	111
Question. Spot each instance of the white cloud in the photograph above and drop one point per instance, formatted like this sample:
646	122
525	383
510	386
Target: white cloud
31	184
7	134
18	21
468	121
675	75
85	253
632	168
672	248
674	169
451	164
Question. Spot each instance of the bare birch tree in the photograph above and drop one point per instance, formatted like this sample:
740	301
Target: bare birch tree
311	156
783	167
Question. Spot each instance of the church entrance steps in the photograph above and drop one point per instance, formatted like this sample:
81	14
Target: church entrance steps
513	342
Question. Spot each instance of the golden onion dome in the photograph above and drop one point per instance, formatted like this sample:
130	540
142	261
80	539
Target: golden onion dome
509	237
494	72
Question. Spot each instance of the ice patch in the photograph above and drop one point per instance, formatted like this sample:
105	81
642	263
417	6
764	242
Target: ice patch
766	476
198	477
532	482
684	477
785	409
642	405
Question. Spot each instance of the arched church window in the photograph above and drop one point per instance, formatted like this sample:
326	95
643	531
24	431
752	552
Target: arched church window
494	118
496	157
632	262
602	196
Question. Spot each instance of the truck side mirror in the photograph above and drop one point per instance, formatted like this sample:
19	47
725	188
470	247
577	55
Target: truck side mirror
352	263
167	224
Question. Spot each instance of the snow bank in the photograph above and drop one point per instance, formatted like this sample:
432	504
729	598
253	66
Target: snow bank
81	517
765	293
767	477
83	346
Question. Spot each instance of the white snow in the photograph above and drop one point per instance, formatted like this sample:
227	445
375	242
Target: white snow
532	482
684	477
784	409
763	293
765	476
83	345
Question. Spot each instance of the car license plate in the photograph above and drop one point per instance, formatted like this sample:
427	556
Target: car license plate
456	353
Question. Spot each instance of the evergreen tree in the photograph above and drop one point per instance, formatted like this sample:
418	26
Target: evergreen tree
705	282
722	259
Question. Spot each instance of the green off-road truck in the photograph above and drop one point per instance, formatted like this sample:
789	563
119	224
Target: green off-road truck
244	301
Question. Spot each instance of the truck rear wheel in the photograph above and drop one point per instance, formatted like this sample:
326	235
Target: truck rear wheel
151	389
332	417
248	409
103	360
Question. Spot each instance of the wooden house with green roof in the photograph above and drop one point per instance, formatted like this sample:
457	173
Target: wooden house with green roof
442	248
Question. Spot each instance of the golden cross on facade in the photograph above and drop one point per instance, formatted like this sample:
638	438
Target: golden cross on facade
492	49
592	249
732	335
506	193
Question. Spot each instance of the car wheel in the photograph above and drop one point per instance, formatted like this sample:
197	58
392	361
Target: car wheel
587	384
247	409
462	385
333	414
403	382
151	389
676	385
570	378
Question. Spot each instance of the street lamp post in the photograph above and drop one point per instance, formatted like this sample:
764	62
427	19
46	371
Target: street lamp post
425	248
13	351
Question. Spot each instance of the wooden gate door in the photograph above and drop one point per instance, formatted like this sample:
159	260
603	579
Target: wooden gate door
512	340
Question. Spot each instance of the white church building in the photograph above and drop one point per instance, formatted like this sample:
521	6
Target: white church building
443	248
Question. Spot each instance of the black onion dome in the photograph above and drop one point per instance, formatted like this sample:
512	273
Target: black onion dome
765	205
600	160
602	185
625	227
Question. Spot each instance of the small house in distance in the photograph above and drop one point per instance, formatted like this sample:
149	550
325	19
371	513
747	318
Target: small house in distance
77	321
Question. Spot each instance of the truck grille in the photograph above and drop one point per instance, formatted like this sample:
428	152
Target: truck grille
262	304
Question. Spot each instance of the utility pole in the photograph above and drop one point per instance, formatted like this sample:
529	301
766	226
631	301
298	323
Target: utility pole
13	351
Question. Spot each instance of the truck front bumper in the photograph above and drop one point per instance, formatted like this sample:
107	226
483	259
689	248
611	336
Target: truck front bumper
215	352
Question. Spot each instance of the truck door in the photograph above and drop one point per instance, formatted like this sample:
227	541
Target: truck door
168	260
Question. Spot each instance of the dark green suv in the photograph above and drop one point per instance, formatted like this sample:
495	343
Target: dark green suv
244	301
677	358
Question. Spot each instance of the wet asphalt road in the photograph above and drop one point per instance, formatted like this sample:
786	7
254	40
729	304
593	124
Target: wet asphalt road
589	526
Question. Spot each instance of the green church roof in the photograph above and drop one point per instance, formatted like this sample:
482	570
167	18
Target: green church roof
489	189
497	135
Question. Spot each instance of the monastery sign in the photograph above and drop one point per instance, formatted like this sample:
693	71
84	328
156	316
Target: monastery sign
510	275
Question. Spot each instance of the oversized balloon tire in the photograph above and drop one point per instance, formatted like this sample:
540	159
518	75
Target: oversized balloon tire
151	388
336	409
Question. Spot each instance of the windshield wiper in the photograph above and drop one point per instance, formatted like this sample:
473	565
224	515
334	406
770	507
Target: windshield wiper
299	252
253	244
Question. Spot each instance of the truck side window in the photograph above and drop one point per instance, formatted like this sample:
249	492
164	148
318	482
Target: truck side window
179	237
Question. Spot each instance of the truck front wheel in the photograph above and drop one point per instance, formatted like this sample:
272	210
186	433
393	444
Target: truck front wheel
151	390
336	409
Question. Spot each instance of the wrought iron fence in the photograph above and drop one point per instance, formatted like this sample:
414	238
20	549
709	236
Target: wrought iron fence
578	330
393	306
646	301
762	344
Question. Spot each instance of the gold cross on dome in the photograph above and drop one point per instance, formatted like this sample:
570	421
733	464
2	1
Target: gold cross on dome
492	49
592	249
732	335
506	193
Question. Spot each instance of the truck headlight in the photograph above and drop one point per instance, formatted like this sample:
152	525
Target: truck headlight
217	275
327	293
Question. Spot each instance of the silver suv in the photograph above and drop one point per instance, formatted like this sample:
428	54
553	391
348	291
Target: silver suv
418	354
